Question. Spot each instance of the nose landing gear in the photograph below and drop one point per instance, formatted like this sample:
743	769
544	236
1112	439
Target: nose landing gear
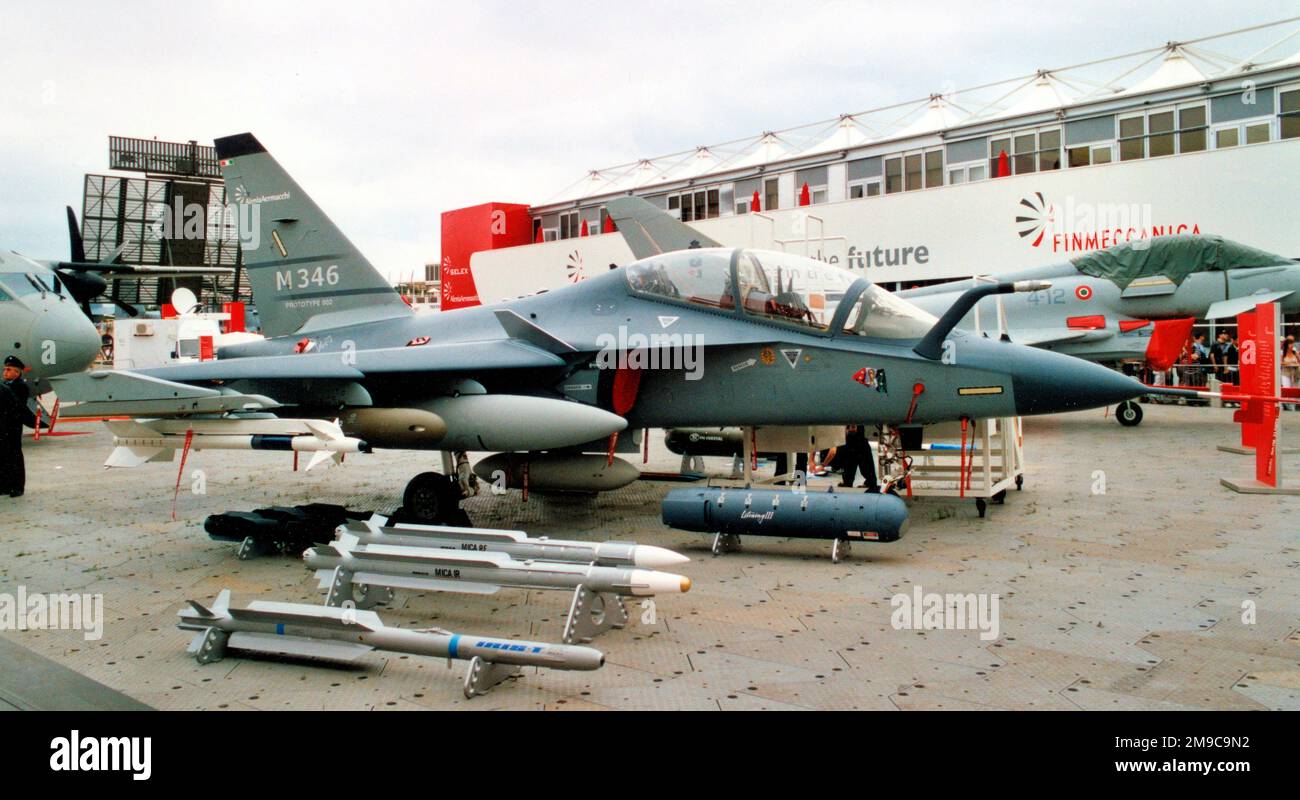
1129	413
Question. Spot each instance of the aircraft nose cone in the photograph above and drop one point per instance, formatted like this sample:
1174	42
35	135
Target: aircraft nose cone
63	341
1049	383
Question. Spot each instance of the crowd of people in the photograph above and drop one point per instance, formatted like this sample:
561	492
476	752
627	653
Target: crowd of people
1200	359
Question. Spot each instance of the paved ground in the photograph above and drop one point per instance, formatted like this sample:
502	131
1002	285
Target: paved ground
1128	600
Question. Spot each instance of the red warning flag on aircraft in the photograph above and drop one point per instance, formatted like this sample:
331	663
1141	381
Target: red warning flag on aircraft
1004	165
756	203
805	196
583	231
608	226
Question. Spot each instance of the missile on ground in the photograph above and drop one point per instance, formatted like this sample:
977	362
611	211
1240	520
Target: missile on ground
841	516
556	472
516	544
597	591
301	630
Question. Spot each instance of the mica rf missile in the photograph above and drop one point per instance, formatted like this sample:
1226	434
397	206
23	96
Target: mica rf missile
516	544
345	634
425	569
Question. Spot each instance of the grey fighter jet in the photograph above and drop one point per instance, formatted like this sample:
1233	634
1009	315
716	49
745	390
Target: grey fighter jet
703	337
1133	302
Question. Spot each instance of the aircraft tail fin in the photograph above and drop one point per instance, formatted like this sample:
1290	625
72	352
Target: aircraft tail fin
304	273
651	231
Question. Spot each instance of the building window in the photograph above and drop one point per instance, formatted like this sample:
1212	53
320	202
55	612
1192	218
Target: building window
1191	129
893	175
933	168
1289	114
1248	132
1160	139
1031	151
771	195
1162	133
864	188
912	172
967	173
818	194
697	204
1132	138
569	224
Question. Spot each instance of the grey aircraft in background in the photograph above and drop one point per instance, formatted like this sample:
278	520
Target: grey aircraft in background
45	306
1133	302
702	337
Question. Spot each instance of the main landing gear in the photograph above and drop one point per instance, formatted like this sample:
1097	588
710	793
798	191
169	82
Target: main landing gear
1129	413
432	498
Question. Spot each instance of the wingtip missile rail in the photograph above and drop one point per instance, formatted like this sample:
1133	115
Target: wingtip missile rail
299	630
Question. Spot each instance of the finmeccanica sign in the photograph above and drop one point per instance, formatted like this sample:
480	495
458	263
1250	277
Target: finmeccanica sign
1076	226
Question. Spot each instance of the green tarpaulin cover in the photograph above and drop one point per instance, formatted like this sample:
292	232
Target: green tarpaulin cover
1174	257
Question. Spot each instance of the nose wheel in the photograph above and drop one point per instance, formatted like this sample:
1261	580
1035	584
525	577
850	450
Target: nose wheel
1129	413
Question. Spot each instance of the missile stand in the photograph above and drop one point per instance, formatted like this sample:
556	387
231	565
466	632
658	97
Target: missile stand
590	613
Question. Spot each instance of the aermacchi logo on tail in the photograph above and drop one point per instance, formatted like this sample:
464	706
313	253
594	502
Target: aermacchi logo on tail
1035	216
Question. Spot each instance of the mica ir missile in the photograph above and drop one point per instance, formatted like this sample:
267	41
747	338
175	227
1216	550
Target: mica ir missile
516	544
137	442
345	634
426	569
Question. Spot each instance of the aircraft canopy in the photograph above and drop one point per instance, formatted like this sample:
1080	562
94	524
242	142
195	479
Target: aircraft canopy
778	287
1174	257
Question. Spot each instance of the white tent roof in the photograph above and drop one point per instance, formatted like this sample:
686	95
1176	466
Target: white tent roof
702	162
643	173
1176	70
769	149
938	116
1043	94
846	136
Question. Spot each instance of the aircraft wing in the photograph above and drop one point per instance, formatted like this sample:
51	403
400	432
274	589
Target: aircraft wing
1046	337
1233	307
143	270
651	231
355	365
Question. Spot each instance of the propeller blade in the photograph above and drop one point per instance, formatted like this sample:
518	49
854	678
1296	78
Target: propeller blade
78	246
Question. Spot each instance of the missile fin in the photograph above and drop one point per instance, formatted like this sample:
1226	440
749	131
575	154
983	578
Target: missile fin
302	646
319	457
127	457
418	584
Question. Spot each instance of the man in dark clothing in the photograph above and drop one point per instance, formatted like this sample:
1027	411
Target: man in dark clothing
855	454
14	414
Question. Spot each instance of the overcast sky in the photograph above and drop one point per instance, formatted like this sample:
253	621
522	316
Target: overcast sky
391	113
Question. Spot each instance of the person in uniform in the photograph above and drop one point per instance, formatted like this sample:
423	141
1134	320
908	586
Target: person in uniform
855	455
14	414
